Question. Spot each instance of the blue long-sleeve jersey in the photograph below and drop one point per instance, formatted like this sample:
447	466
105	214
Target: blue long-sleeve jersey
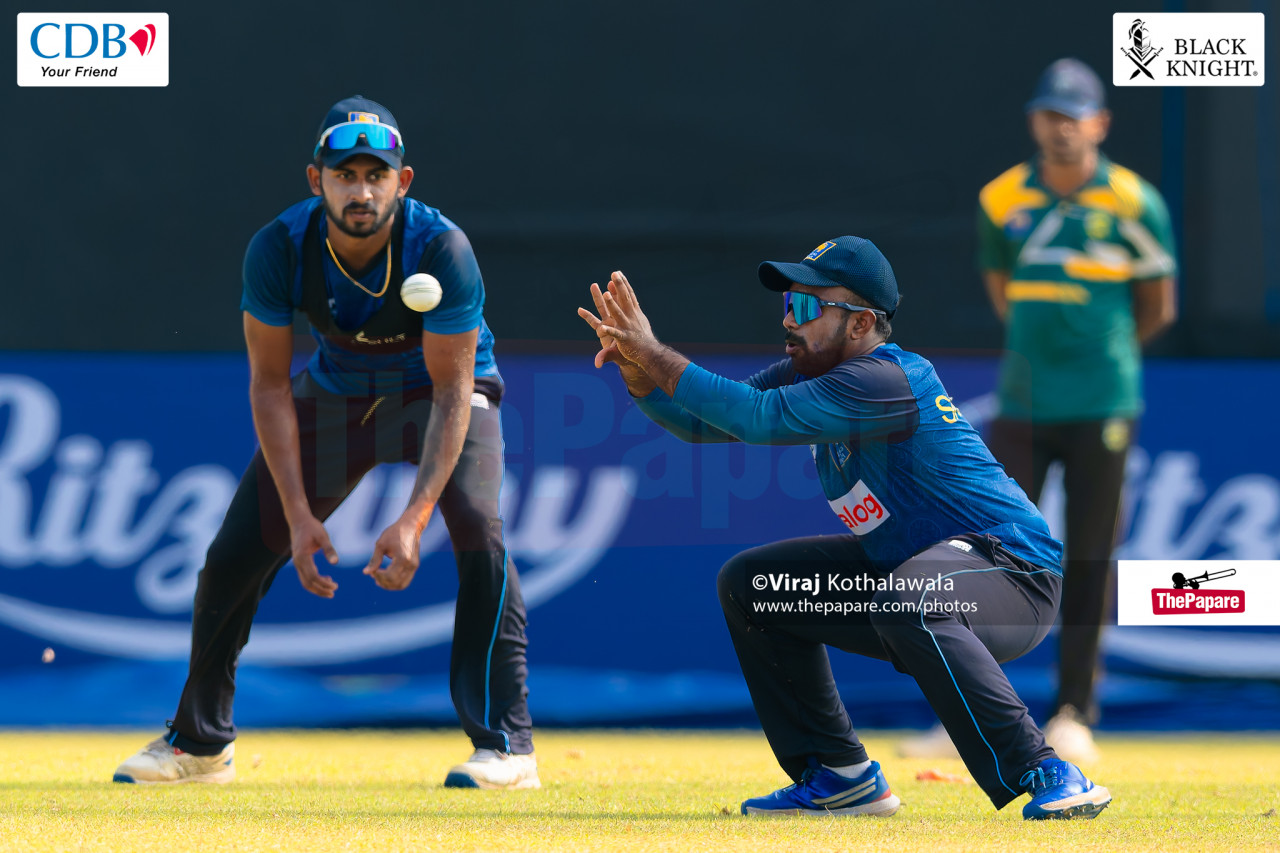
899	464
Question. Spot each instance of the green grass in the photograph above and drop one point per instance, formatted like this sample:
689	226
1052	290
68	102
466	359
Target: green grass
380	791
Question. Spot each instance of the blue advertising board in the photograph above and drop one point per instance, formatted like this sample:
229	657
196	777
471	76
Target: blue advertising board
115	471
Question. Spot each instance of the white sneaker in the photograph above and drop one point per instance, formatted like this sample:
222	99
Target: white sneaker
1070	737
935	743
160	762
489	768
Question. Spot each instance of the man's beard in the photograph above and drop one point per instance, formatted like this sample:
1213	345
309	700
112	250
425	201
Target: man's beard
815	363
801	359
358	231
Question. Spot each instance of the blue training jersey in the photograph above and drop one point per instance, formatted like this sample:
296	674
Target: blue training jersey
900	466
273	290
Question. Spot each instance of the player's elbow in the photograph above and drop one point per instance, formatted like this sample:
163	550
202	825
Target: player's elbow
697	437
1158	321
267	387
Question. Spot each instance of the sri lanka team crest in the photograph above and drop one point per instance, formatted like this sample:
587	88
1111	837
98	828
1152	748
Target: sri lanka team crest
365	117
820	251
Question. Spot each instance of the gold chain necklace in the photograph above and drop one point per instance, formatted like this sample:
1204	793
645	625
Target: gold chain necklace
386	282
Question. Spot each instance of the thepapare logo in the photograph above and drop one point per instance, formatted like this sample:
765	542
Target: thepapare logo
1187	597
1188	49
93	49
1198	592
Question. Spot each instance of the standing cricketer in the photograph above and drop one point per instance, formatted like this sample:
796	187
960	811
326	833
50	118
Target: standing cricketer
955	569
386	384
1078	259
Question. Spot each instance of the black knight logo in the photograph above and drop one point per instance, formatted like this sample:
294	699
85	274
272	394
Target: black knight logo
1142	54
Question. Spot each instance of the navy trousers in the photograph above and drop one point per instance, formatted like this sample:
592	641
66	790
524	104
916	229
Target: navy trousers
341	439
951	638
1093	456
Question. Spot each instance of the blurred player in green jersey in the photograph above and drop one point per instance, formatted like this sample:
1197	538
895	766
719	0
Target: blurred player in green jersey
1078	260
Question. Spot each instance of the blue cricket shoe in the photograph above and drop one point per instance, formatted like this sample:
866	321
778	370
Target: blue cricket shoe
1059	791
823	792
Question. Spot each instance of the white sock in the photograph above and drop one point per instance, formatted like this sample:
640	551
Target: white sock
850	771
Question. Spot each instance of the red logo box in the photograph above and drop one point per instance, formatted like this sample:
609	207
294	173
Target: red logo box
1178	602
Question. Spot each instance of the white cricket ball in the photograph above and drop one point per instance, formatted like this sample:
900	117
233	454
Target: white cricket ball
421	291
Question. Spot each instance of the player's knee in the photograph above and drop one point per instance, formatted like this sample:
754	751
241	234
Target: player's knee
231	565
223	554
470	530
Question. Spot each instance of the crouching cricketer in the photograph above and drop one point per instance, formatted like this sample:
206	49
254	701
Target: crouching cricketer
947	568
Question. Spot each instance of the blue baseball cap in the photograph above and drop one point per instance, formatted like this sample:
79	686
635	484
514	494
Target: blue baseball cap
353	111
1070	87
849	262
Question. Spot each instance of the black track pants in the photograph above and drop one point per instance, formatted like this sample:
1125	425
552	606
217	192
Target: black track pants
341	439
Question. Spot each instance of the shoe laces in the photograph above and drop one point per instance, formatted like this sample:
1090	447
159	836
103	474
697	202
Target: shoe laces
804	780
487	755
1037	779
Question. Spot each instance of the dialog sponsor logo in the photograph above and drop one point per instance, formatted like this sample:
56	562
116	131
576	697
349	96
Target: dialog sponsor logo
860	510
93	49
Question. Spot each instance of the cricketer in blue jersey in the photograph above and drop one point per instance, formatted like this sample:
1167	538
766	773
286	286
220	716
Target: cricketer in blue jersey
386	384
944	567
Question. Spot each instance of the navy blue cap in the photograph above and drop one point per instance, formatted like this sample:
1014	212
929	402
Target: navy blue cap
1070	87
850	262
358	108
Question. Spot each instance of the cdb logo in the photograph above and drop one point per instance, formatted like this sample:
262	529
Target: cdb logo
80	41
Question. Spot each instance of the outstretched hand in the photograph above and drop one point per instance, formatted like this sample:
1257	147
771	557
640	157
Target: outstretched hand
626	338
608	346
623	329
638	382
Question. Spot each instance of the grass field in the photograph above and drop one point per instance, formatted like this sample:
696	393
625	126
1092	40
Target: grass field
380	791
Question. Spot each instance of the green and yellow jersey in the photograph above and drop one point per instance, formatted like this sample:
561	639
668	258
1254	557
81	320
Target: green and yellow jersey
1071	351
